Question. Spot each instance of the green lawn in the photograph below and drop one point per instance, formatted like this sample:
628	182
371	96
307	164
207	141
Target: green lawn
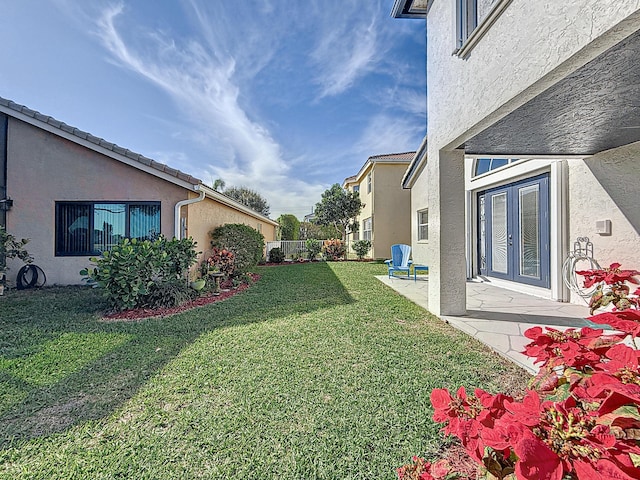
318	371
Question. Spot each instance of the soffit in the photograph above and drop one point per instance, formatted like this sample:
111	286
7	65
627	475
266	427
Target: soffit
594	109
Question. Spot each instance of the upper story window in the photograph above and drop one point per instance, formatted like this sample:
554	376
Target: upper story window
356	188
473	18
467	19
369	183
89	228
484	165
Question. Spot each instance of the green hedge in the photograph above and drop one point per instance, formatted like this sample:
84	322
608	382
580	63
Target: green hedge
246	243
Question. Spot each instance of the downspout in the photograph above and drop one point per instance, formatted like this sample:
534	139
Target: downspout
179	205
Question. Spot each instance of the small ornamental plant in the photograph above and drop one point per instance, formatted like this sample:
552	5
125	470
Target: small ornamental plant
333	250
221	260
580	417
361	247
313	247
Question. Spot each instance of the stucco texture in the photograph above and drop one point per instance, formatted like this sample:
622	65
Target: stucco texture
206	215
391	209
530	47
44	168
605	187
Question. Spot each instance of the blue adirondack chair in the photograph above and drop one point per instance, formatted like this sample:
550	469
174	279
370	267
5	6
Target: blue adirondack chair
399	261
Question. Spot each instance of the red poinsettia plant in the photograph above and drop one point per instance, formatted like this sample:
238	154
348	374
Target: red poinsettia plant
580	418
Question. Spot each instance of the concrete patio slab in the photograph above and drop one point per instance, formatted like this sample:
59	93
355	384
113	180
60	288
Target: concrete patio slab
499	317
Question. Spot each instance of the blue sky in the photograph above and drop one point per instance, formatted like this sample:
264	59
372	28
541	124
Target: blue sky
284	97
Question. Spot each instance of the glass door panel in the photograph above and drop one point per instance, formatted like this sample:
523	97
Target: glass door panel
529	231
499	243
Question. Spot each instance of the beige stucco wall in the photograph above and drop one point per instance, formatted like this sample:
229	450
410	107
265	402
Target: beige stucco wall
391	207
367	199
605	187
44	168
206	215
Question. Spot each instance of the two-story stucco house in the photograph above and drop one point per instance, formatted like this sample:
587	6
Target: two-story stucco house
74	195
385	218
533	141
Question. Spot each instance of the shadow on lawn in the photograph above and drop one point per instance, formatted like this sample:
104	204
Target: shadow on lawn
60	365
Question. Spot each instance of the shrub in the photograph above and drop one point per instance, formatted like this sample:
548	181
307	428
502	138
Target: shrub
245	242
169	293
334	250
313	247
180	255
276	255
131	270
11	248
361	247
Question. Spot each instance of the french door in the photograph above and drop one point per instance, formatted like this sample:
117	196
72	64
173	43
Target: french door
513	231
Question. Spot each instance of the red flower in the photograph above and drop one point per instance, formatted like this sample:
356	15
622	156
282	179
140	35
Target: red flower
463	416
610	275
571	348
536	460
627	321
623	365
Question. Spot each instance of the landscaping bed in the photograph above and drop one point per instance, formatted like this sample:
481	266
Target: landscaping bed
227	291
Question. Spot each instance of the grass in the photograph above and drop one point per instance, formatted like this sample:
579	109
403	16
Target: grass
317	371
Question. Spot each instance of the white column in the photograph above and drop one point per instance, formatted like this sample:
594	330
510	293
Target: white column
447	269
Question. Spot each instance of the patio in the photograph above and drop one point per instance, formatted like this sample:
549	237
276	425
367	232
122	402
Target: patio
498	317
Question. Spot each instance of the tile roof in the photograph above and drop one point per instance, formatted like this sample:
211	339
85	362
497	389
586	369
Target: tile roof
99	142
393	157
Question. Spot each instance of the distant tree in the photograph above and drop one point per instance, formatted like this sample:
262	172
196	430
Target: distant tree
250	198
289	227
318	232
339	208
218	185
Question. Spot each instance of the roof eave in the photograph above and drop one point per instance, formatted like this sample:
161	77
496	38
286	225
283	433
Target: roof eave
411	8
221	198
416	165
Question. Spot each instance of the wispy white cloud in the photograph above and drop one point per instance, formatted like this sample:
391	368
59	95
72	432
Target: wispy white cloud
213	71
202	85
388	134
345	55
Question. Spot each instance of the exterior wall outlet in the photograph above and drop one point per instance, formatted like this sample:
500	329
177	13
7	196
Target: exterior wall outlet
603	227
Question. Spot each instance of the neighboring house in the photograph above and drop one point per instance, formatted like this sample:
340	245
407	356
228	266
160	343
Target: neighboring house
385	218
533	141
75	195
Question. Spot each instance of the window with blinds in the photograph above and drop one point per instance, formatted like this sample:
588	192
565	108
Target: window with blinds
89	228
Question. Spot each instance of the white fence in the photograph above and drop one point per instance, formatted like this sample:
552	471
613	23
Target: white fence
290	248
294	249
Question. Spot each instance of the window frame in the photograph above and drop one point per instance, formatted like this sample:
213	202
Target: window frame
58	251
469	28
466	20
369	182
367	234
495	163
422	224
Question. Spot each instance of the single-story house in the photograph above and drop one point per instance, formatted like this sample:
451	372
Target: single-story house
74	195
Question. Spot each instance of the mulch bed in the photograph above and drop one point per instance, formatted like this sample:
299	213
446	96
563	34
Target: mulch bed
144	313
